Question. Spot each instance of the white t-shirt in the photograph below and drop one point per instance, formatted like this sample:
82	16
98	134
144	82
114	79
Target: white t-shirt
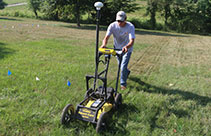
121	35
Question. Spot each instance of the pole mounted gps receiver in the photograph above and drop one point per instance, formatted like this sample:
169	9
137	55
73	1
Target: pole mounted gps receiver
98	6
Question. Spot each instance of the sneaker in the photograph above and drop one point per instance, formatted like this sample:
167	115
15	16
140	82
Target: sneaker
123	87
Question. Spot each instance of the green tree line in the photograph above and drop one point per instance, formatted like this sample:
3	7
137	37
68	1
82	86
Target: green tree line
73	10
2	4
193	16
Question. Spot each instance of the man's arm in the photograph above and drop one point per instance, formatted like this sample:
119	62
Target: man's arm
129	45
105	41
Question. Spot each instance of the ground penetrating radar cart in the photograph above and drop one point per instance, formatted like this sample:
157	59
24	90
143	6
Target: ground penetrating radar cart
100	100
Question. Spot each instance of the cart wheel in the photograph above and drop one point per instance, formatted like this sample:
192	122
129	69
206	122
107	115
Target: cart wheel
67	114
101	123
117	101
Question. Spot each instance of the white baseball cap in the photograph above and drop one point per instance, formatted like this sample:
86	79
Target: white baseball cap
121	16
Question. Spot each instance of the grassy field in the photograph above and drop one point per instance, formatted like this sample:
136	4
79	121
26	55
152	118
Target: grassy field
168	90
14	1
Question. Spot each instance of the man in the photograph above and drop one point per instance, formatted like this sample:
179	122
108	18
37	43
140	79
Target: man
124	36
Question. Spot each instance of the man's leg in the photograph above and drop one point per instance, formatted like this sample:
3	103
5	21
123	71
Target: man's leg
124	70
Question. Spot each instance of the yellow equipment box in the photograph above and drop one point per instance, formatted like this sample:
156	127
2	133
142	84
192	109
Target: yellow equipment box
107	51
106	107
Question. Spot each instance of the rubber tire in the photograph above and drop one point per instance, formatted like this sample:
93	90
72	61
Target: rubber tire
67	114
101	123
117	101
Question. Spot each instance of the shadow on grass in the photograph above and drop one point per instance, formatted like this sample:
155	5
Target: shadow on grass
9	19
142	32
4	51
201	100
77	126
139	32
179	112
118	125
85	27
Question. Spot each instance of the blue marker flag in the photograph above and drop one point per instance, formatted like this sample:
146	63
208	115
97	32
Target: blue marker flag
68	83
9	73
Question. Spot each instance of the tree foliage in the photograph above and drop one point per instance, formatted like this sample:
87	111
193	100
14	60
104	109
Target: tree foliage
65	10
164	6
35	6
152	7
53	9
111	7
2	4
80	7
182	15
190	15
72	10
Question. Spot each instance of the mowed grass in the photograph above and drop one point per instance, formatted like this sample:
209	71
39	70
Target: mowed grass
168	89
